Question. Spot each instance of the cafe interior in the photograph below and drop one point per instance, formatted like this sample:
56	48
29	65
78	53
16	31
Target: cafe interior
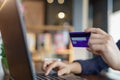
48	23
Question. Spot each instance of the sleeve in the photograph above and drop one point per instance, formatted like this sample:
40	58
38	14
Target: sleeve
118	44
92	66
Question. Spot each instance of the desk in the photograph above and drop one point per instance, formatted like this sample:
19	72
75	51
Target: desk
95	77
88	77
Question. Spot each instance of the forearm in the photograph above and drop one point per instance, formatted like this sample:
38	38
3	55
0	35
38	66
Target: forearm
113	60
112	55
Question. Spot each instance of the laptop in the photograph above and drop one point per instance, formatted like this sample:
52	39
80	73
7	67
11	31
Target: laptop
15	43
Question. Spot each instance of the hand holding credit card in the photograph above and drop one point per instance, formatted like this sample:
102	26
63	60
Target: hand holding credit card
79	39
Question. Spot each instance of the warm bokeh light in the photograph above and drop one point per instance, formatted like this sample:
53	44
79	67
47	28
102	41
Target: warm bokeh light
60	1
50	1
61	15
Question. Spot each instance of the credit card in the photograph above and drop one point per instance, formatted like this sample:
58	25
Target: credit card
79	39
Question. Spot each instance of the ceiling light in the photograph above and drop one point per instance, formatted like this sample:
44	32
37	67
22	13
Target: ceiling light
61	1
61	15
50	1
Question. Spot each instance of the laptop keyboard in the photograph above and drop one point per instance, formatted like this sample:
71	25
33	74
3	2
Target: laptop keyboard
42	76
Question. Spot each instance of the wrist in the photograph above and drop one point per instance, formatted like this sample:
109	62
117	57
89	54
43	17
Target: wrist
75	67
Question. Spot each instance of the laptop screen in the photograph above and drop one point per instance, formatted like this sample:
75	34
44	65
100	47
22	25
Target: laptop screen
14	38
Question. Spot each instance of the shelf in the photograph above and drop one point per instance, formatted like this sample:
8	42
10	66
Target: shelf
37	29
52	28
67	51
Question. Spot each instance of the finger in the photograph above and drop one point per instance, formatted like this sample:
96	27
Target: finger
95	41
89	49
52	66
97	49
95	30
92	51
98	36
46	63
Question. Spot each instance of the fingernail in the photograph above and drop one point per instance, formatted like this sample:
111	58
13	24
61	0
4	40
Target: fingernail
46	73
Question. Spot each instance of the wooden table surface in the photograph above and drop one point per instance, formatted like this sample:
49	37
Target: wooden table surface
87	77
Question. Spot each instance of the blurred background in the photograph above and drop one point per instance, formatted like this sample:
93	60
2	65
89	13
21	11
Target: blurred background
48	23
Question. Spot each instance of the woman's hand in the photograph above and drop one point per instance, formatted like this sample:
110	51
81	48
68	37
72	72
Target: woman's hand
63	67
101	43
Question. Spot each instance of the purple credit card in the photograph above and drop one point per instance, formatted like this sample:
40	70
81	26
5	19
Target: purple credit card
79	39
